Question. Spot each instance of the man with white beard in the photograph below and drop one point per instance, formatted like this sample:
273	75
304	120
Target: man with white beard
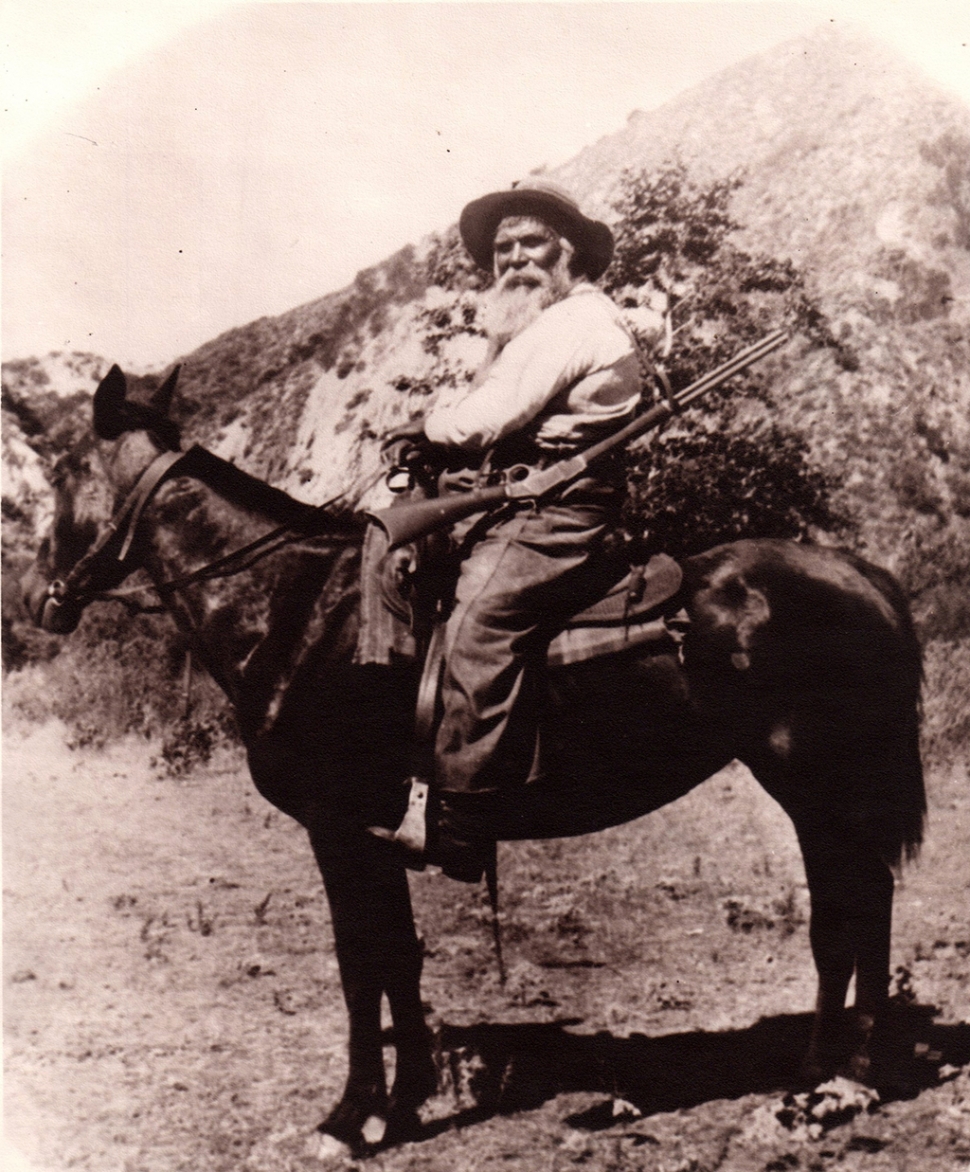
562	372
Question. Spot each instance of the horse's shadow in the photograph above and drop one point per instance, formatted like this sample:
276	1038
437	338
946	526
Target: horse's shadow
492	1069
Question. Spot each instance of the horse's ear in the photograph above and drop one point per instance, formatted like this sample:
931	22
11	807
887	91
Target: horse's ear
110	405
161	400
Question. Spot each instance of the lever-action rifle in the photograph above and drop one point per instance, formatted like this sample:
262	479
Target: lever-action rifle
409	522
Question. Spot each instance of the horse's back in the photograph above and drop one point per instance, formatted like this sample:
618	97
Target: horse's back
809	655
801	615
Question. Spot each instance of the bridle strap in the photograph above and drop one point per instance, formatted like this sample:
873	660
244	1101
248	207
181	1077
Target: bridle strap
142	493
124	521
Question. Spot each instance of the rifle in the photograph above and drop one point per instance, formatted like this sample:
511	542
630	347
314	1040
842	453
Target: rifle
409	522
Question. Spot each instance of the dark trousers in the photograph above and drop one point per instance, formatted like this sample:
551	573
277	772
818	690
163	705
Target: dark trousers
517	589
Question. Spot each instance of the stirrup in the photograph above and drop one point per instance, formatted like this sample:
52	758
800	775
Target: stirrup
465	861
412	834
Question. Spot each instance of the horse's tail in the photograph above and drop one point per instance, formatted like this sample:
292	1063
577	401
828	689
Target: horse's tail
897	828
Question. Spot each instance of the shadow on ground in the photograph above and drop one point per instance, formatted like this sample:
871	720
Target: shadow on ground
502	1069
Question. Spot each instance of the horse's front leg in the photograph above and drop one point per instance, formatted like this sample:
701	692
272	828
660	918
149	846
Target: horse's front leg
851	892
415	1074
378	952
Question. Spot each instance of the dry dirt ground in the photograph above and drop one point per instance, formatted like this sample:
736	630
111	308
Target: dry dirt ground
172	1001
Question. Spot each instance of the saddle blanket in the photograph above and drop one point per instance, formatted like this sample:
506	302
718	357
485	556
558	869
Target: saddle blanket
626	617
629	615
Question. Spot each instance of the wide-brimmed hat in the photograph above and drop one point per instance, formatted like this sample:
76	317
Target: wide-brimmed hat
548	201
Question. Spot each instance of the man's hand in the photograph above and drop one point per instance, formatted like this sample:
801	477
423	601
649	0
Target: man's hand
405	445
412	459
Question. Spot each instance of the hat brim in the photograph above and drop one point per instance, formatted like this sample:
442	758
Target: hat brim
479	222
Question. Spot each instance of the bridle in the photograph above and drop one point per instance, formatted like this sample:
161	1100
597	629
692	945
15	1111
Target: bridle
122	526
104	562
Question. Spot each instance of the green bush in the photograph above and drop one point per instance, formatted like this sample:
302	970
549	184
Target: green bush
732	469
702	486
117	675
189	744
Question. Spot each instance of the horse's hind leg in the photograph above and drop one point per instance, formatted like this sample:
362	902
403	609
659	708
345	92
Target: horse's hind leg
851	892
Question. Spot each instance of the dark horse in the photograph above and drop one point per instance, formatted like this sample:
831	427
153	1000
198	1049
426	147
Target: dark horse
799	661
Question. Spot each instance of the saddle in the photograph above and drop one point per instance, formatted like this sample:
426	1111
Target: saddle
634	612
406	591
399	619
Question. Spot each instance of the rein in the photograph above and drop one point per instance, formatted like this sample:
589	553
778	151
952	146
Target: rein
224	567
125	523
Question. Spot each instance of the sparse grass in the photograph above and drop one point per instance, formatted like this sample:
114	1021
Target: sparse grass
117	676
946	716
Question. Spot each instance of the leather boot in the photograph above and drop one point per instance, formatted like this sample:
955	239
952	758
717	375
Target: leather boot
450	831
462	842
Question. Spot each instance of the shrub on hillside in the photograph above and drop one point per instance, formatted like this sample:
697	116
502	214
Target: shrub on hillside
117	675
707	486
449	266
731	468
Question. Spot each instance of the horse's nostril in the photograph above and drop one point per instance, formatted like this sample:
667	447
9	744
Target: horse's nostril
57	617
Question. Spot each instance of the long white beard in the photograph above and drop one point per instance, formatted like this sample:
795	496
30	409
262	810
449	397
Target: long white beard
508	311
517	299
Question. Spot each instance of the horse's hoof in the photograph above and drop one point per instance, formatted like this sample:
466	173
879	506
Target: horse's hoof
357	1127
328	1149
364	1143
403	1126
373	1130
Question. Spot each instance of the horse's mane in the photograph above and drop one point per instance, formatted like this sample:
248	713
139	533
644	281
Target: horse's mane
242	488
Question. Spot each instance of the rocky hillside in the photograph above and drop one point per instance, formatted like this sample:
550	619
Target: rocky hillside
858	169
852	167
45	408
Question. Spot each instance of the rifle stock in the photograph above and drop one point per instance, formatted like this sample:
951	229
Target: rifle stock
409	522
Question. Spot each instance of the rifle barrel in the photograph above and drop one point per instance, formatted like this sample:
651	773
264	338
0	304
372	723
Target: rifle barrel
662	411
408	522
741	360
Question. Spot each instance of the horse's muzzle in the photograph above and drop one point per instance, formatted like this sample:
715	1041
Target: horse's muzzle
47	606
59	617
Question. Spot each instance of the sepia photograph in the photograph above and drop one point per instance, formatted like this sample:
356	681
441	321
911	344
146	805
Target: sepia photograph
486	586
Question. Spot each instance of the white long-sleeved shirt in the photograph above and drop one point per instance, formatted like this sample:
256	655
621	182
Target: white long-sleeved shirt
573	370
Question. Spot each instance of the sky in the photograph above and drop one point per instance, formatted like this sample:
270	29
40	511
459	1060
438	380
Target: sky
173	169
